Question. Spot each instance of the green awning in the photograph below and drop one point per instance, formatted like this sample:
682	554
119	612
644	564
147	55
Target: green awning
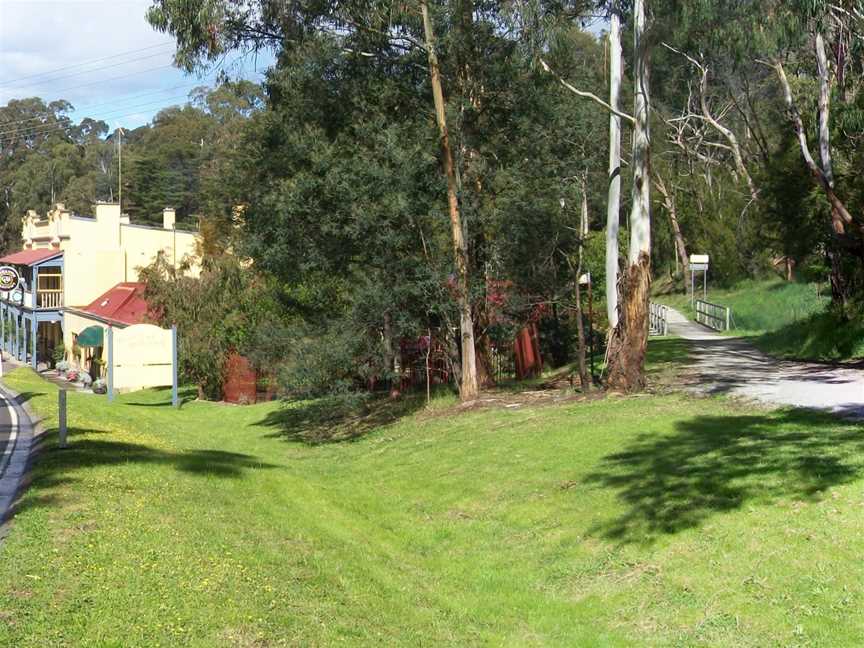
91	336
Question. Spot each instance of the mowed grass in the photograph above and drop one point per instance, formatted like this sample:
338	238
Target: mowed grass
785	319
652	520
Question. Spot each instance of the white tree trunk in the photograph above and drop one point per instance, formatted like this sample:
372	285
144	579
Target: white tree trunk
824	110
840	216
613	207
640	213
629	339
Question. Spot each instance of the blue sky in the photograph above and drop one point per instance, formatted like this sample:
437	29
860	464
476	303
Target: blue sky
101	55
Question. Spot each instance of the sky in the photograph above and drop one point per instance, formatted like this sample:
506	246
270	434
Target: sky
101	55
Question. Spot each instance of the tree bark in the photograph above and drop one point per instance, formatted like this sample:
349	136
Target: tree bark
468	386
672	210
613	206
629	339
824	110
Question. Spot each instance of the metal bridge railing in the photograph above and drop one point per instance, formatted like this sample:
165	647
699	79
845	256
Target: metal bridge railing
658	323
713	316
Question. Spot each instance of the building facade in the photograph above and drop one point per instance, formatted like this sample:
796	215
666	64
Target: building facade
68	261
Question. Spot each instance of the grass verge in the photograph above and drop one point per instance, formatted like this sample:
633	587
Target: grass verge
653	520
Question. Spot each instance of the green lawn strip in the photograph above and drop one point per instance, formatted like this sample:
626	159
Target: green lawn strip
660	520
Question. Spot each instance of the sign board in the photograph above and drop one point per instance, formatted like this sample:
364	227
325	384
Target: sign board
585	279
9	278
698	267
699	259
139	356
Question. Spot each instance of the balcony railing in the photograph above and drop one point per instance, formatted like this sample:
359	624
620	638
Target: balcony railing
45	299
50	299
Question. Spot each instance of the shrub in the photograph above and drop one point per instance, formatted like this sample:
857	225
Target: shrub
58	355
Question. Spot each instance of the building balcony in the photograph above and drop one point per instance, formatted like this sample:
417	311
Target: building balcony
45	299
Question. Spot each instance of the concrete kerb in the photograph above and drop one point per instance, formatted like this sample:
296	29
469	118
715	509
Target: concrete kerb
17	474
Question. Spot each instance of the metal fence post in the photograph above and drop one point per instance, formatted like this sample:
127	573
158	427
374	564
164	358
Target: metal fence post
61	407
110	363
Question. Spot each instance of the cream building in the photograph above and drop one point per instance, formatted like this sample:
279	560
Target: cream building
68	261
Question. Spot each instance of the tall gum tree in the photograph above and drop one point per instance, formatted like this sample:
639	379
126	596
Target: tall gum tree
468	386
629	339
613	205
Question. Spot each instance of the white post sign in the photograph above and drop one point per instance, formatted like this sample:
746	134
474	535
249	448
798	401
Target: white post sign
698	263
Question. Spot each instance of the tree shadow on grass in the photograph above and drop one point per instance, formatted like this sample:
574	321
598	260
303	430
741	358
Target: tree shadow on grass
23	397
184	395
716	464
331	420
57	467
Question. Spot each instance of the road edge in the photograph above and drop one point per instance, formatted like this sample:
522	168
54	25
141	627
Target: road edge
17	475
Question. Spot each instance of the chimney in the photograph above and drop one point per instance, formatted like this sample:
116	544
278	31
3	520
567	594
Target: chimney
169	216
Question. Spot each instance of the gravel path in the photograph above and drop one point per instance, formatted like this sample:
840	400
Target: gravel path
725	365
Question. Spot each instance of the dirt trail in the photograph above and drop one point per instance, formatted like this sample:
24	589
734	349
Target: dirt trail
725	365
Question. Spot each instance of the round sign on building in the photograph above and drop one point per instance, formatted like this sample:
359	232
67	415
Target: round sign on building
9	278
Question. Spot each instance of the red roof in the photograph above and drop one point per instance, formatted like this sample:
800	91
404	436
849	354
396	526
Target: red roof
30	257
124	303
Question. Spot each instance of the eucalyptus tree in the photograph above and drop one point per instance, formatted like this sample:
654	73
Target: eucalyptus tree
367	29
809	47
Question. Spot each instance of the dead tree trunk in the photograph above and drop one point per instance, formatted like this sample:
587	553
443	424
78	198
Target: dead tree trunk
629	340
468	387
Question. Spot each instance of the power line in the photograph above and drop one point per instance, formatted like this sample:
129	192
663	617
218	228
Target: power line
88	62
66	76
87	107
46	128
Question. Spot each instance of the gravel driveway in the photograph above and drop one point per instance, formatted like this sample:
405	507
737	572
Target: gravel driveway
727	365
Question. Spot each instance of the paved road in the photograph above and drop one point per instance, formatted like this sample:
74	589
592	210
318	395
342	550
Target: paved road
725	365
8	433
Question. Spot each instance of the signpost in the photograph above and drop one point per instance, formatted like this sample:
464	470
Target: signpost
698	263
61	409
9	278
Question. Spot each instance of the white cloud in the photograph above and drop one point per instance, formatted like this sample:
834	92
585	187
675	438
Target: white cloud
101	55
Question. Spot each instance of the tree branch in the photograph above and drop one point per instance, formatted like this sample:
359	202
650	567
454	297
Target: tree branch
586	95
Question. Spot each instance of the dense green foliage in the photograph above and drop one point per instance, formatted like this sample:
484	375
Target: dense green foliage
176	161
227	309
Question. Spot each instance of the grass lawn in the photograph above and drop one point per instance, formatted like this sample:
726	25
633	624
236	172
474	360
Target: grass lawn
659	519
783	319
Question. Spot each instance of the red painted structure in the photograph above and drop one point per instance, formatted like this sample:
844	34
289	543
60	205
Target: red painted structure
241	381
526	348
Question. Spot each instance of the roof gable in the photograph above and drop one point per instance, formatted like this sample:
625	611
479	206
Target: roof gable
124	303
